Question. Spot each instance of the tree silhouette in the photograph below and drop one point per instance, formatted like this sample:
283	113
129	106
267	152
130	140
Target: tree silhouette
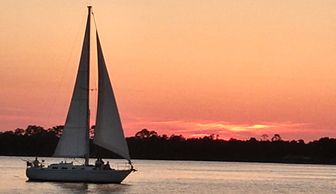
148	144
34	130
264	137
57	130
145	134
276	137
19	131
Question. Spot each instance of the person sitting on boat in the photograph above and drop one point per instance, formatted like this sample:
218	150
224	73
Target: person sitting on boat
99	163
29	164
107	166
36	162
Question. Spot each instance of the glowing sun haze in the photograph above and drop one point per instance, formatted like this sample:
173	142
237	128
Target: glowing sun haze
238	69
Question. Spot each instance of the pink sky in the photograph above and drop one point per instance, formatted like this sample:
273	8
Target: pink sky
234	68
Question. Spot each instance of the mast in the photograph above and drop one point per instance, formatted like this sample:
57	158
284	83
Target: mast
87	155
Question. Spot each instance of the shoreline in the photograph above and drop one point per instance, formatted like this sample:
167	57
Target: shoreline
188	160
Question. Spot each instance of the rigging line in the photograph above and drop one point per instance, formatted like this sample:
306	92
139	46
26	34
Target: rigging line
69	61
94	20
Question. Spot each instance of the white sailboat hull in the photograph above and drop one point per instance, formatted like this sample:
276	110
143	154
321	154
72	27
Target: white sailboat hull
88	174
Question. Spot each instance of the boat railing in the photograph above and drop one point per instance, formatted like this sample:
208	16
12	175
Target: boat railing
120	166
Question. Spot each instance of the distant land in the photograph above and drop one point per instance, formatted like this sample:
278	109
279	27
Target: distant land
147	144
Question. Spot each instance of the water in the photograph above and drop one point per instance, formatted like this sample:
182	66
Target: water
186	177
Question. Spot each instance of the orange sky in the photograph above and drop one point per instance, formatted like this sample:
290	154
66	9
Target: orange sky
234	68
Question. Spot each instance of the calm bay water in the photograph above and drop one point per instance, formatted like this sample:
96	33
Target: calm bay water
185	177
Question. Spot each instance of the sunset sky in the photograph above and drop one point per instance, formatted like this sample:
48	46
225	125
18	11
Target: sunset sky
238	69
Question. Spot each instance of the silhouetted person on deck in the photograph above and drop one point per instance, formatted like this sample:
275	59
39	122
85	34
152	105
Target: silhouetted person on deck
36	162
107	166
99	163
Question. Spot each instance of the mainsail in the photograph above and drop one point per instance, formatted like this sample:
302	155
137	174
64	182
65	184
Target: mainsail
75	138
108	131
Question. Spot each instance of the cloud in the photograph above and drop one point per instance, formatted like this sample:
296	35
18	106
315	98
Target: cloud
232	126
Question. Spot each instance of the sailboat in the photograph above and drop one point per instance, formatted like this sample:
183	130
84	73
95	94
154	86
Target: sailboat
74	142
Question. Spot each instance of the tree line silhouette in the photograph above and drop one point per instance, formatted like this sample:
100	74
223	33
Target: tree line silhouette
147	144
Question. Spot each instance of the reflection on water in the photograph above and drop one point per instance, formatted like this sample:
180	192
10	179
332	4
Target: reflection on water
186	177
55	187
92	188
74	187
